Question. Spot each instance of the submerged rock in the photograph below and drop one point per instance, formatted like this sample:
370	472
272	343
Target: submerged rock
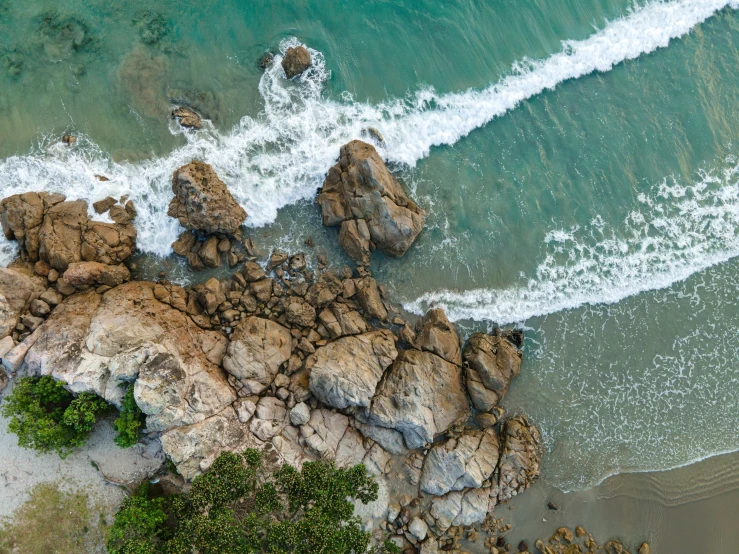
296	61
362	196
187	118
202	202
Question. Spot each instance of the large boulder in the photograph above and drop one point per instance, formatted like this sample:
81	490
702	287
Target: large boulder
438	335
17	290
362	196
492	362
460	463
202	202
346	371
257	349
421	396
296	61
520	460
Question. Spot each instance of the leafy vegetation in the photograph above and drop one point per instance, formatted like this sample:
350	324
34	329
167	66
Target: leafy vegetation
47	417
52	521
130	422
236	507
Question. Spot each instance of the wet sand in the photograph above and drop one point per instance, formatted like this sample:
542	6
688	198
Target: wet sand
688	510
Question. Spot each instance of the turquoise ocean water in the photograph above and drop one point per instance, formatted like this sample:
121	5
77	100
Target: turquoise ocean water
579	161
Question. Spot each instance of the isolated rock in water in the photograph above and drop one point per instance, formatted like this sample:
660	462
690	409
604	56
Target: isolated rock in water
360	187
94	273
520	459
460	463
187	118
492	362
257	350
202	202
296	61
17	291
421	396
346	371
439	336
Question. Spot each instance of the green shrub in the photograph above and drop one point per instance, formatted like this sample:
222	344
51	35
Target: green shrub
47	417
130	422
234	507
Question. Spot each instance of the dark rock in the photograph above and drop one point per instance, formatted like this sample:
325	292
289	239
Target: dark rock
102	206
296	61
265	60
187	118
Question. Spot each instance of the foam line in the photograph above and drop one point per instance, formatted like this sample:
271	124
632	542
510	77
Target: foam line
280	156
677	231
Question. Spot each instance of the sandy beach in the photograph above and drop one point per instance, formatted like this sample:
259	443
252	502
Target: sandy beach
681	511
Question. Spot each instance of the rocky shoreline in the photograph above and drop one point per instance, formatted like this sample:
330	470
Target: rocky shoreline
305	365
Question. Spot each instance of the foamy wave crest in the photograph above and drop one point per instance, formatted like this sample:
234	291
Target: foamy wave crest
677	231
280	156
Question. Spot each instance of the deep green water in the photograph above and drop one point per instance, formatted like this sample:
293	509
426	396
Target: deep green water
588	190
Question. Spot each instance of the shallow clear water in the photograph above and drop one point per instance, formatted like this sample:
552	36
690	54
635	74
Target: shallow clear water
587	189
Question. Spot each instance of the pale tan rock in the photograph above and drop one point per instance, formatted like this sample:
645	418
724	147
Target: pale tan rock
421	396
257	349
461	463
94	273
346	372
438	335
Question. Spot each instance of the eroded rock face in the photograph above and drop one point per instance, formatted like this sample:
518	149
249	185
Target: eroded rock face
202	202
437	334
461	508
194	448
296	61
362	196
95	273
346	371
94	342
257	349
461	463
492	362
17	290
520	459
52	230
421	396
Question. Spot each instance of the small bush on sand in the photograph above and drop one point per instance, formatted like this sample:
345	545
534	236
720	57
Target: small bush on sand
47	417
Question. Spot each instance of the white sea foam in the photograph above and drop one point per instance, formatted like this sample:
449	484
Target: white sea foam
280	156
677	231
